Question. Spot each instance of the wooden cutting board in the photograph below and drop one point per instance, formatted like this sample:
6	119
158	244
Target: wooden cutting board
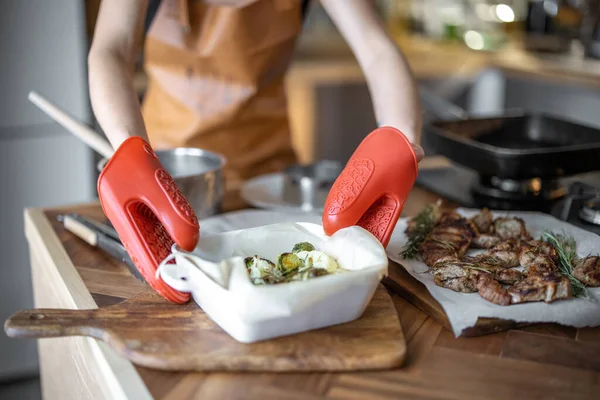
154	333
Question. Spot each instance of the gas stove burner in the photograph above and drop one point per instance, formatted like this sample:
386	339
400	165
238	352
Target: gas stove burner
590	211
508	194
531	190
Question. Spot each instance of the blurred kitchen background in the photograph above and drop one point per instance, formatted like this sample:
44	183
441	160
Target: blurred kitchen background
485	56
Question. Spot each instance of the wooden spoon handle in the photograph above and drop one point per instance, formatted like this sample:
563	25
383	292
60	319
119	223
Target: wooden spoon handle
83	132
48	323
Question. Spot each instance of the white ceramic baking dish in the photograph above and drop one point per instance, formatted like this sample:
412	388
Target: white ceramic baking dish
216	276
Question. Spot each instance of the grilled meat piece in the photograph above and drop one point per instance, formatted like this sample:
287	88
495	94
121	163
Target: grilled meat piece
505	254
539	247
587	271
449	273
485	241
483	221
507	276
465	284
450	270
492	290
450	216
467	276
460	278
496	270
484	228
536	263
433	252
509	245
508	259
451	237
510	228
546	287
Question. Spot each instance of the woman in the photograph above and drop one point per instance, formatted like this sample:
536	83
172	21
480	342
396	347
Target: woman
216	73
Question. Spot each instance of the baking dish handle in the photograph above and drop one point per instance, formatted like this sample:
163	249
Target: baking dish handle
184	274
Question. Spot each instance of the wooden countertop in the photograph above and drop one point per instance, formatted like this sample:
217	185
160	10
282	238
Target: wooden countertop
545	361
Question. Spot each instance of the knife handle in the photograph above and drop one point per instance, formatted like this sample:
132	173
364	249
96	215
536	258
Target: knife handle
82	231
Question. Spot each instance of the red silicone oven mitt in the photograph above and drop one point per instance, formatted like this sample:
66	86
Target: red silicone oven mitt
147	210
373	187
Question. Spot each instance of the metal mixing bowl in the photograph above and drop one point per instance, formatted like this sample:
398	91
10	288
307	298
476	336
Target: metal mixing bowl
308	185
199	175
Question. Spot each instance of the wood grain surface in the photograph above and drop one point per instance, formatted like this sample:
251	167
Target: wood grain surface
542	361
155	333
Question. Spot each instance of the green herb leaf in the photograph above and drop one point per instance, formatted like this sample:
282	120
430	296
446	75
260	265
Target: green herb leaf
567	253
424	223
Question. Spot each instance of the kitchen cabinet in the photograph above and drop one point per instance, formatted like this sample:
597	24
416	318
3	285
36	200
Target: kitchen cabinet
43	46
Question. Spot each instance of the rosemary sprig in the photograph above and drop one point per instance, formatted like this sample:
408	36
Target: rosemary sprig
566	249
445	245
424	223
475	266
490	260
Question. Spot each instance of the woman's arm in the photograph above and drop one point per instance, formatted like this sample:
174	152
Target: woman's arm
392	87
111	64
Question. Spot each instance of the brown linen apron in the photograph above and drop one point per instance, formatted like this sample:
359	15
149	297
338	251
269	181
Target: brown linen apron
216	81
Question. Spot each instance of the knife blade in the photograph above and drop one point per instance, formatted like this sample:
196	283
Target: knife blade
101	237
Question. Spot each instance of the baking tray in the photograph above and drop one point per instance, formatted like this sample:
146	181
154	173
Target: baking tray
518	145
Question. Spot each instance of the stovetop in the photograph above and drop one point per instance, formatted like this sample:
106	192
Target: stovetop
456	184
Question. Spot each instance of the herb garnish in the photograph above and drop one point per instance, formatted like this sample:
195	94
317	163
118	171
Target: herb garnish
424	223
566	249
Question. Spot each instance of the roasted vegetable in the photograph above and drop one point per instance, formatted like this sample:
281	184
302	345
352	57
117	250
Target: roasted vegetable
303	246
262	271
318	259
288	262
303	263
